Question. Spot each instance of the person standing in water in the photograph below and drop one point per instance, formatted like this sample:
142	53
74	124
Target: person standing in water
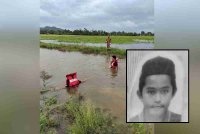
114	62
108	41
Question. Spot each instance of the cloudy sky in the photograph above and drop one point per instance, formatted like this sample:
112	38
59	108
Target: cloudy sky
108	15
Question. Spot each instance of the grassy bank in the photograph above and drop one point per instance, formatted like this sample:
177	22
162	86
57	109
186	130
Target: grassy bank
79	116
91	120
85	49
96	39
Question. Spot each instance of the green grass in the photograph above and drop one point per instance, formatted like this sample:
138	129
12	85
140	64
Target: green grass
85	49
96	39
50	101
86	119
83	117
90	120
45	121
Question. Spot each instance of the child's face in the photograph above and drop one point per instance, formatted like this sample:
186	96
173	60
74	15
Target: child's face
157	93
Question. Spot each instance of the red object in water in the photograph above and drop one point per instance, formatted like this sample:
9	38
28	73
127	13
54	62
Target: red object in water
72	80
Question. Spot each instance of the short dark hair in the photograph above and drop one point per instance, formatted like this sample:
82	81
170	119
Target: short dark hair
114	56
156	66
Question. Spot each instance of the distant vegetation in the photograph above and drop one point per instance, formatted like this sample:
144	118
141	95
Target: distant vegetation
59	31
97	39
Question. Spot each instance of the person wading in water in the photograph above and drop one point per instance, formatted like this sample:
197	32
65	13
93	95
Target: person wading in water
108	41
114	62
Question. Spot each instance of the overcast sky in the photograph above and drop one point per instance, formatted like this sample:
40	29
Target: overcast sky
108	15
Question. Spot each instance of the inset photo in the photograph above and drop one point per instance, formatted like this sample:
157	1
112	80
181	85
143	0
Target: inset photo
157	86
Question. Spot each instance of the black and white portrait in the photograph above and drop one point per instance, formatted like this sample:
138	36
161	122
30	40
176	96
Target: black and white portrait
157	85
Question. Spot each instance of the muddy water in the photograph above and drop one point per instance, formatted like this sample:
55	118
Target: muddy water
106	88
139	45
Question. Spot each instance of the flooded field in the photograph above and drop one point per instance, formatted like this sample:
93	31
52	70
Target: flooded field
104	87
139	45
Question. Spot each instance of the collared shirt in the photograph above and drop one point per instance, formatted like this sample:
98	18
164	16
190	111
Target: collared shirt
171	117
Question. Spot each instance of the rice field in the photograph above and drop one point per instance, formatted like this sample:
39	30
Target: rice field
97	39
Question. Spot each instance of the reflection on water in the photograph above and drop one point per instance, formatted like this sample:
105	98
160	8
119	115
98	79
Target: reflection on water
138	45
104	86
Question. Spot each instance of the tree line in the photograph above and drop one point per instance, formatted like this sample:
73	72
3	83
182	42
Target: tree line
85	31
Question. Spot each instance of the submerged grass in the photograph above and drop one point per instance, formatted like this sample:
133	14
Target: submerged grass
85	49
96	39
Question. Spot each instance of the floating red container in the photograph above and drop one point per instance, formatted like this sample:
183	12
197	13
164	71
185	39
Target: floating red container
71	80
